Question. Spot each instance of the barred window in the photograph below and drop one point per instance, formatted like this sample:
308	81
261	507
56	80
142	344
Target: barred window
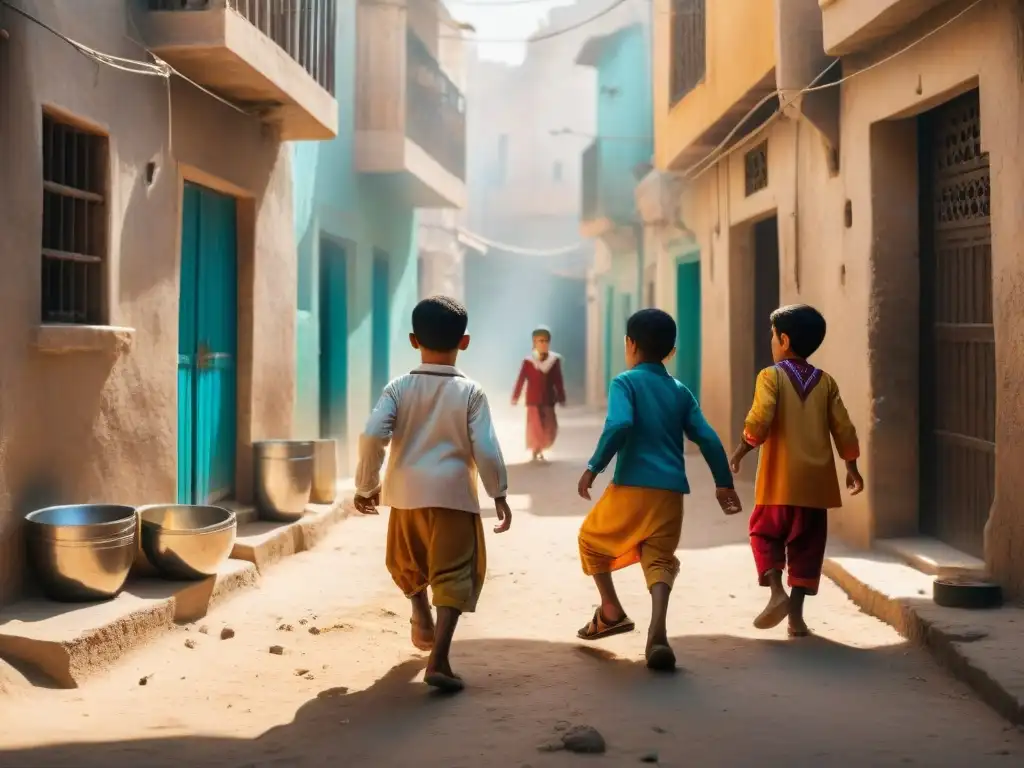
689	47
74	238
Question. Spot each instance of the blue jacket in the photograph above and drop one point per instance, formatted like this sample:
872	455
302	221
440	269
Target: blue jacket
649	412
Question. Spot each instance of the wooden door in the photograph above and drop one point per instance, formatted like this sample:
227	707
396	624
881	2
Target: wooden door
958	390
688	344
207	347
334	342
766	290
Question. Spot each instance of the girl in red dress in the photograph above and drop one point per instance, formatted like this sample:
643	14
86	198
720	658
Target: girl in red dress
541	374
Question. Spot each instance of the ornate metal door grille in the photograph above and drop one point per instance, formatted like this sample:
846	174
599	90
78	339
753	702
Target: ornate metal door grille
958	392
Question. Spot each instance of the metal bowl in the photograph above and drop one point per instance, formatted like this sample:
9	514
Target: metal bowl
81	552
325	472
284	478
187	542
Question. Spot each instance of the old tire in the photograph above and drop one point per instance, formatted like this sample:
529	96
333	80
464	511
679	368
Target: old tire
966	592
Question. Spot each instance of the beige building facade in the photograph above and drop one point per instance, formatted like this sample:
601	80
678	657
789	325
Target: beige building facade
891	203
104	176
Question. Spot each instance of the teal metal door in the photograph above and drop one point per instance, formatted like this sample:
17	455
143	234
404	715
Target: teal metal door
207	347
333	341
688	324
381	331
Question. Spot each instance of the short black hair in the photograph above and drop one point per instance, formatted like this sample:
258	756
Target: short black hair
803	324
654	333
542	330
439	323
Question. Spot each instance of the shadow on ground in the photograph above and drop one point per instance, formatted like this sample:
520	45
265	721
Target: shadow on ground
733	703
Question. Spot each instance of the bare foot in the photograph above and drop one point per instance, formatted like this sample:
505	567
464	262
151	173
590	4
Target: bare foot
775	612
422	635
798	627
659	654
439	675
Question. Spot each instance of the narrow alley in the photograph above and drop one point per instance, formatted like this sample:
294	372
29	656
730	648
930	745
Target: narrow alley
343	688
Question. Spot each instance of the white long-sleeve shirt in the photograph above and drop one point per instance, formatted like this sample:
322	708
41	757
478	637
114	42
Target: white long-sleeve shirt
439	427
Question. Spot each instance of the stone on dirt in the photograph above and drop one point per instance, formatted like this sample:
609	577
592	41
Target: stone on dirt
277	650
190	643
584	740
649	757
227	633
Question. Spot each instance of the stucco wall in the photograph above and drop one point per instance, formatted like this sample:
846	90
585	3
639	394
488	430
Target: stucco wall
864	275
332	200
89	427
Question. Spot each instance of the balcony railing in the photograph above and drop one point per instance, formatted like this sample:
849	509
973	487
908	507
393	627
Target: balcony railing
590	196
435	109
304	29
689	47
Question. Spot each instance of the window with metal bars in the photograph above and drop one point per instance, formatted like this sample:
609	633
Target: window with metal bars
689	47
74	241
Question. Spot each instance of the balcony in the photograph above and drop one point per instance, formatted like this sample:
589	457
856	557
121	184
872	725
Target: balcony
607	190
853	25
276	58
410	116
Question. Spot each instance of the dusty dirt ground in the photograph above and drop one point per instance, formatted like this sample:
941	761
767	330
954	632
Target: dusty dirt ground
346	690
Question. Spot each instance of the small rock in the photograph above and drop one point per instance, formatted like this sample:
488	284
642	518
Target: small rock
227	633
649	757
561	726
314	630
303	622
301	672
145	680
310	676
286	628
190	643
658	729
584	740
204	630
277	650
551	746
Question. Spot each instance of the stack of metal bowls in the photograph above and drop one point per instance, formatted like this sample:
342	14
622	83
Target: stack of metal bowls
284	478
81	552
186	542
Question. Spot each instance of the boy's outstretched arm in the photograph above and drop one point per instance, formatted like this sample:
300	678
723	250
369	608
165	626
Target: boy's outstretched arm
490	463
845	436
373	444
520	383
617	424
700	432
760	418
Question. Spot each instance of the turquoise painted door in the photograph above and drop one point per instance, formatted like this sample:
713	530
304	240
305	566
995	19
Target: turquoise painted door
381	330
207	347
333	341
688	324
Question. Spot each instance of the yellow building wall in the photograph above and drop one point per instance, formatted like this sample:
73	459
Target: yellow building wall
740	53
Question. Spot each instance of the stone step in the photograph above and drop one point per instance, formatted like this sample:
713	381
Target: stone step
64	644
931	556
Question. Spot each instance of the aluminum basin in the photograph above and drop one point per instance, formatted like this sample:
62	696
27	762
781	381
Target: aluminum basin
83	552
185	542
325	472
284	478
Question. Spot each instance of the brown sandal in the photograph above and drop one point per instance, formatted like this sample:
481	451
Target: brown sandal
597	628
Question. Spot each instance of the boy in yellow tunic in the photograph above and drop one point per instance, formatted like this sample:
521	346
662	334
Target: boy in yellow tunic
639	518
796	410
438	425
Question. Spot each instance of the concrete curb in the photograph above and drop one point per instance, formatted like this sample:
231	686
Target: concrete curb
984	649
67	645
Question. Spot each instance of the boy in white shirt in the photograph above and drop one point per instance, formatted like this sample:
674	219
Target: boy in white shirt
439	428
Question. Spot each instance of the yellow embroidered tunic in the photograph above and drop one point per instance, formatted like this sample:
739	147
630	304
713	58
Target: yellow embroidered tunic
796	410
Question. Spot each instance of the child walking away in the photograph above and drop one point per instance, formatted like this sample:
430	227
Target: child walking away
439	427
639	518
541	374
796	409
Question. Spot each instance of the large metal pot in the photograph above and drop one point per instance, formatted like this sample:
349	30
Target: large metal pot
81	552
284	478
325	472
187	542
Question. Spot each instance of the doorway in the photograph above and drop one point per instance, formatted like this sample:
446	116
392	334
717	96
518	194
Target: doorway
688	342
334	343
207	346
380	344
766	290
957	345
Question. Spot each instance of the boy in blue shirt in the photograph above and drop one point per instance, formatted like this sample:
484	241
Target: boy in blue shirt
639	518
